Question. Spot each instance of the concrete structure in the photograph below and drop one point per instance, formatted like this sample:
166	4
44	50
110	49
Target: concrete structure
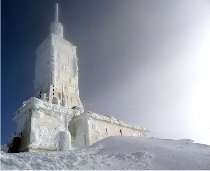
43	125
56	71
54	119
88	128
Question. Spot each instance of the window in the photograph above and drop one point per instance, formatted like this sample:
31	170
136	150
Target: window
40	94
63	103
106	129
120	132
93	126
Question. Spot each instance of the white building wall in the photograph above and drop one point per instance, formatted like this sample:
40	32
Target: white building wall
100	129
44	131
43	125
43	68
65	84
46	124
50	127
56	72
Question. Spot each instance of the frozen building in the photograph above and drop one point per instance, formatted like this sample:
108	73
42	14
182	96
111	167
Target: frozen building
54	119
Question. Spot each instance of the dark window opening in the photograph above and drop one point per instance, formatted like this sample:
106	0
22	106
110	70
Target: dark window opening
53	93
40	94
120	132
14	147
63	103
106	129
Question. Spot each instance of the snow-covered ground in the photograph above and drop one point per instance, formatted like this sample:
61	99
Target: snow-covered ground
118	153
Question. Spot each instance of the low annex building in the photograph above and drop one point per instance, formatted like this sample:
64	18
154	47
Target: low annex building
54	119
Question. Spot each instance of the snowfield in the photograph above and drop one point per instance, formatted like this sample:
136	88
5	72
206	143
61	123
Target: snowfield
117	152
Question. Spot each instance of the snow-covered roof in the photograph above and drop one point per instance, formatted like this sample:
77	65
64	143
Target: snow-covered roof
112	119
40	104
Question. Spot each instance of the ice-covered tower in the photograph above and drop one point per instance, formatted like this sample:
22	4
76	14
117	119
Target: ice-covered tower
56	70
43	121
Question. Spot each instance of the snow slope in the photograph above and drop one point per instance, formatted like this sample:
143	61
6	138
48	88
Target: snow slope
118	153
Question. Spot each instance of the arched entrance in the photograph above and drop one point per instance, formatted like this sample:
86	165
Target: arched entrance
78	132
72	130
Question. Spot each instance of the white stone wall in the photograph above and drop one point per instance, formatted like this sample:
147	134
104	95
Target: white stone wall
44	131
56	72
43	68
99	129
46	124
89	128
66	73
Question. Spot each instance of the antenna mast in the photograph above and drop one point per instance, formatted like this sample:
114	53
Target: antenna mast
56	12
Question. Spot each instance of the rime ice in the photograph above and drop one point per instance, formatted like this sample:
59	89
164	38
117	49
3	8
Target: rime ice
54	119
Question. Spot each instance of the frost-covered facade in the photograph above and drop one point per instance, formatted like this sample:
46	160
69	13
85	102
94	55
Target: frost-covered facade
56	70
94	127
54	119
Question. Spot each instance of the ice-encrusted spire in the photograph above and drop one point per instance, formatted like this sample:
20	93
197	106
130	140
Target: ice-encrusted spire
56	27
56	12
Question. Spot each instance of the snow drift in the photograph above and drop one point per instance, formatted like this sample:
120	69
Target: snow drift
117	153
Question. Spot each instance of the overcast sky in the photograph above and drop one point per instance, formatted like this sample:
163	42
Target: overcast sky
146	62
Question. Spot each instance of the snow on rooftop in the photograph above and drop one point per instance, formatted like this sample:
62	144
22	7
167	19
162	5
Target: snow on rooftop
112	119
37	103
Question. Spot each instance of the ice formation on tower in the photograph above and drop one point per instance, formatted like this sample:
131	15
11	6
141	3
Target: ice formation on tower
54	119
56	70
